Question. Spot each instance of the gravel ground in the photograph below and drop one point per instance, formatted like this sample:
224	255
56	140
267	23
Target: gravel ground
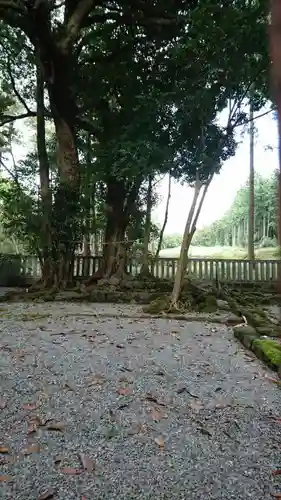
98	407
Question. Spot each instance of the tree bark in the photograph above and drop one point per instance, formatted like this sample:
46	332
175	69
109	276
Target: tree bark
190	229
251	221
184	248
275	53
147	228
44	175
120	198
165	219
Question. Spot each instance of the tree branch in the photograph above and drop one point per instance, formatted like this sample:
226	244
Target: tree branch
75	23
16	92
5	119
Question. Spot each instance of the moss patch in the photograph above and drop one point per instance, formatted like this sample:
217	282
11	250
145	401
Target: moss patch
269	351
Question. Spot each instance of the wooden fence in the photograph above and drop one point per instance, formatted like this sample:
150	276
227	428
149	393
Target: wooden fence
208	269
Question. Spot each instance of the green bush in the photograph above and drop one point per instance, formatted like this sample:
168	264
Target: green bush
11	270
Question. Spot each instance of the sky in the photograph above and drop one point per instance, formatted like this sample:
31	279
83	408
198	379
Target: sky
225	185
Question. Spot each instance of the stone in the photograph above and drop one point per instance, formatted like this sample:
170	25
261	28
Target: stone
223	304
242	331
233	320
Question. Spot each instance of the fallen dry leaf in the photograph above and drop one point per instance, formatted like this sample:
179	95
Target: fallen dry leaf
33	448
4	449
33	425
153	399
276	472
5	479
125	391
96	380
160	442
276	495
55	426
274	381
47	494
87	462
71	471
30	406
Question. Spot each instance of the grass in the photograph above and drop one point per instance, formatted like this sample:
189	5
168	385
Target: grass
270	253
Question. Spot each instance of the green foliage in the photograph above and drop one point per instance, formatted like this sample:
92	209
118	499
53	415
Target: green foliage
171	241
149	80
221	231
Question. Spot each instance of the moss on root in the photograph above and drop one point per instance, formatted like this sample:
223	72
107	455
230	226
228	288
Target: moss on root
269	351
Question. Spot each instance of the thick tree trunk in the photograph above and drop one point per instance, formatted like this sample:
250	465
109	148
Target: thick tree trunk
120	199
65	223
145	265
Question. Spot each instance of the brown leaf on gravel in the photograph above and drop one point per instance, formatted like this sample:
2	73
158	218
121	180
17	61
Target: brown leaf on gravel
71	471
5	479
87	462
153	399
96	380
4	449
276	472
33	425
55	426
125	391
160	442
33	448
274	380
48	494
276	495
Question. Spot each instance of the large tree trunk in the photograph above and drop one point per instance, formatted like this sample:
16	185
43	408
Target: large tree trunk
147	228
65	234
120	198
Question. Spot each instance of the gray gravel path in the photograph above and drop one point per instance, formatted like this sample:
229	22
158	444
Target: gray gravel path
161	409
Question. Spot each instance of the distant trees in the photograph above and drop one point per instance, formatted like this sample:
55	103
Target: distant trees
232	228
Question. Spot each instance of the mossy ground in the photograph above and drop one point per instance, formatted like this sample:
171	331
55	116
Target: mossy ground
269	351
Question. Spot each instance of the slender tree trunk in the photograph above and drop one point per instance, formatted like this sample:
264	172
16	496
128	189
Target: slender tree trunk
275	52
147	228
94	229
190	229
184	248
44	175
251	221
165	219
